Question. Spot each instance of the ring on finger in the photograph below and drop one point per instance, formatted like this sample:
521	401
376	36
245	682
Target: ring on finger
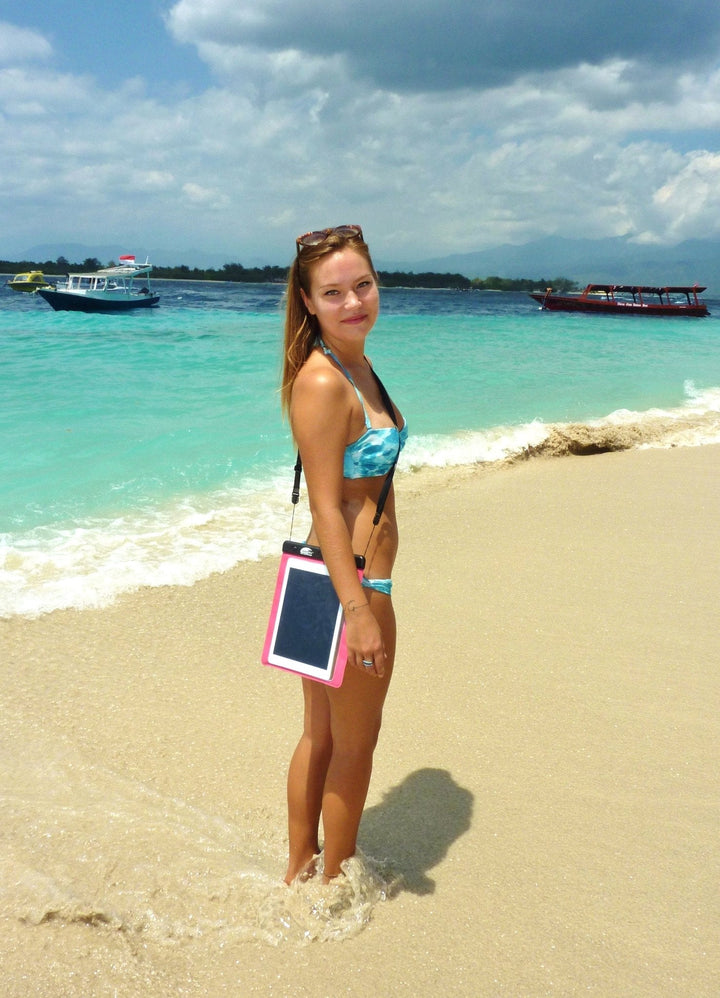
368	663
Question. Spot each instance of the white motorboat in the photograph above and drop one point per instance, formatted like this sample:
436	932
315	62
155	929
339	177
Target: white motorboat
112	289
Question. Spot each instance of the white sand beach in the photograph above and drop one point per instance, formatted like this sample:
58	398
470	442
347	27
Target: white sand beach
546	783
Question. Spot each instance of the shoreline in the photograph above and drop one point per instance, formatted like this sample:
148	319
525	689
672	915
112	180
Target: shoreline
545	781
241	525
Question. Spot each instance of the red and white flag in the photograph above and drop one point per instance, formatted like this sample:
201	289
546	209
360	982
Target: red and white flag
127	260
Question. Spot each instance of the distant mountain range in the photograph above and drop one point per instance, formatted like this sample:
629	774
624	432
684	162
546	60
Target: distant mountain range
607	261
601	261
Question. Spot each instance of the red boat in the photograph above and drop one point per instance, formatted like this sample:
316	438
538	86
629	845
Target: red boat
626	299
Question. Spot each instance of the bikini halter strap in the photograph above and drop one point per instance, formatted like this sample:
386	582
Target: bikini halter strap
383	391
328	353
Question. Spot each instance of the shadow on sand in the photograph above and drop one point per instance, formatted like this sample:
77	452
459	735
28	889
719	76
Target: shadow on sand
416	823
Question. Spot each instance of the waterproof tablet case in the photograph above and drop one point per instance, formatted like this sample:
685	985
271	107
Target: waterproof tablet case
306	632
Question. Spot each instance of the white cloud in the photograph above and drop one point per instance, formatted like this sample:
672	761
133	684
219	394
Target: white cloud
690	200
292	138
206	197
21	45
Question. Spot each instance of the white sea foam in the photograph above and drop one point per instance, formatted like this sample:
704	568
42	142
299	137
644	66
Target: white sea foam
89	564
471	446
84	844
694	423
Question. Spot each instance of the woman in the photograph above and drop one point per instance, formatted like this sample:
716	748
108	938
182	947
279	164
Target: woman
348	441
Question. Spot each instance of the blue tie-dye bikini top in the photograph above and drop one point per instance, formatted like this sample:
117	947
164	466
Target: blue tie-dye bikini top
374	453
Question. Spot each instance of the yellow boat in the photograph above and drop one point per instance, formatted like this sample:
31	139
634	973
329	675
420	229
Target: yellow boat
31	280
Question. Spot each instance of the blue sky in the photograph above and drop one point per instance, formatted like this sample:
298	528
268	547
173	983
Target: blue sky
113	42
226	127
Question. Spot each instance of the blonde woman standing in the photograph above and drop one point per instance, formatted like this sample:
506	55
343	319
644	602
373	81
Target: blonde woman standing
348	441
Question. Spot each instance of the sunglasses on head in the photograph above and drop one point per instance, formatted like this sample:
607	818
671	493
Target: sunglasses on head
320	235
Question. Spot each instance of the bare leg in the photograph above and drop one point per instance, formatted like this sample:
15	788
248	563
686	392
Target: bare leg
306	779
330	769
356	715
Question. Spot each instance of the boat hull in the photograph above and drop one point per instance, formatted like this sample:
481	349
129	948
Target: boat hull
69	301
567	303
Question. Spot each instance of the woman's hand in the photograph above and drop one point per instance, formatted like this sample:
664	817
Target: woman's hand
366	649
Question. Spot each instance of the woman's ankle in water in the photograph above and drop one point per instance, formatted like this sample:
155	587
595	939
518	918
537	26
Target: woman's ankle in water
305	872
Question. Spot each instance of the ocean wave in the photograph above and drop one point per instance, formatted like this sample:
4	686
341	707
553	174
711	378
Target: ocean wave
694	423
90	564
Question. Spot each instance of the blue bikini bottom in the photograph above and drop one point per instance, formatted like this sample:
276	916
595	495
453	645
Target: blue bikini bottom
379	585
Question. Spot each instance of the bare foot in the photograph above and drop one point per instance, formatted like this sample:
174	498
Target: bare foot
306	873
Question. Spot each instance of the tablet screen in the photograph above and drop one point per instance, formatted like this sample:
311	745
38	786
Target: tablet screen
308	625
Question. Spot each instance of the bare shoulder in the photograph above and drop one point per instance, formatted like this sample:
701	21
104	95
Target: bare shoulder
318	383
320	406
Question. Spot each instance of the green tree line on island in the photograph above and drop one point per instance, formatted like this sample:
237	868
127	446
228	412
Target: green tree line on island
236	273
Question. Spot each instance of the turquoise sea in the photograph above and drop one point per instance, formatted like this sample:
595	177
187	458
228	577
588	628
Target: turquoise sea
149	449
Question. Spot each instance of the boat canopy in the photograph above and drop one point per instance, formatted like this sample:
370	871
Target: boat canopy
644	289
116	271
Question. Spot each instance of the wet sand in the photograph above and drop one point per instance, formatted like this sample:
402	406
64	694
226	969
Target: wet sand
546	782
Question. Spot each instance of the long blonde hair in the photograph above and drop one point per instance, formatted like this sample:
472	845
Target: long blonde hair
301	328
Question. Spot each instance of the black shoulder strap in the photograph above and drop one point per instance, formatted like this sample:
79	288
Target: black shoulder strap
385	397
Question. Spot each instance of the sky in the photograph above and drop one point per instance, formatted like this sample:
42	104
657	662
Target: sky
228	127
